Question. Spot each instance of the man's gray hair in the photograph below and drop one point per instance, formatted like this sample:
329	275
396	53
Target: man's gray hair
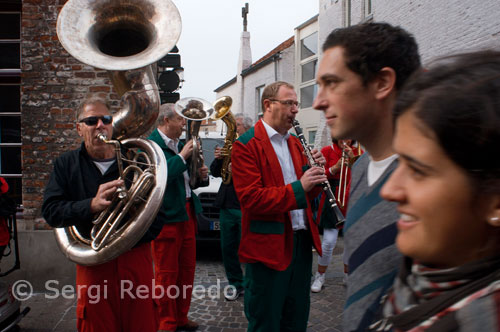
92	100
167	111
246	121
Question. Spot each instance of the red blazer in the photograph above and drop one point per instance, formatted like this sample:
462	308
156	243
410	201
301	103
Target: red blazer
266	228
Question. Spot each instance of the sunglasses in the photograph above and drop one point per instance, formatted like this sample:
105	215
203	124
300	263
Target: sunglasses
93	120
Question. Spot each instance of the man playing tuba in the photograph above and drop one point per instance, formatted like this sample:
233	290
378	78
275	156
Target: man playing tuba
81	185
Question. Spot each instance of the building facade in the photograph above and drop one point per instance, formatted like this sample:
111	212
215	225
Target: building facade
441	27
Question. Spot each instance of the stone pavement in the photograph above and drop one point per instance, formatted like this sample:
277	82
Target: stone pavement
213	313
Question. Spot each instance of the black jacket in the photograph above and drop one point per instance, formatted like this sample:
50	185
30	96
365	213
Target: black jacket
71	187
226	197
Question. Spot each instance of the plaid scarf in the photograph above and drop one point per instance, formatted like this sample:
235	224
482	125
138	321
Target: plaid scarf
428	299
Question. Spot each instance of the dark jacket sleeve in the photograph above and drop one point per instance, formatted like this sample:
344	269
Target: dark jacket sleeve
59	208
216	167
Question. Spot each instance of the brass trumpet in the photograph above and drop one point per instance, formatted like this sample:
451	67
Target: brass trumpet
345	163
341	192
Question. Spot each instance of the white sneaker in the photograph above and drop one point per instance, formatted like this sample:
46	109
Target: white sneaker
319	280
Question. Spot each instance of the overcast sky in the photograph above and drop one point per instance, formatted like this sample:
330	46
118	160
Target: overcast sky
210	40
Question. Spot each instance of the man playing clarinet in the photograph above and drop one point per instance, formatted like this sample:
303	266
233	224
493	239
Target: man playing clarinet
275	187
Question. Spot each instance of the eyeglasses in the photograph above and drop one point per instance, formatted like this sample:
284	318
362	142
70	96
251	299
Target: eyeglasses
93	120
287	102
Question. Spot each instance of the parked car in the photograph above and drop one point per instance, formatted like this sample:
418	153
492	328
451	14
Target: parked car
208	220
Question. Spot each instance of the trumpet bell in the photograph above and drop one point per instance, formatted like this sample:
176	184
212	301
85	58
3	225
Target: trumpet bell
222	106
194	109
118	34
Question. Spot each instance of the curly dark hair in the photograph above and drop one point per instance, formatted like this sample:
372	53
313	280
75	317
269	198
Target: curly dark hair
369	47
458	101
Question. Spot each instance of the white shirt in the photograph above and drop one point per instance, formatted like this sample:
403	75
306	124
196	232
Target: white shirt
173	145
280	145
377	168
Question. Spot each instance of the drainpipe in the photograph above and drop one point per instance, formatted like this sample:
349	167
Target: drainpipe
276	58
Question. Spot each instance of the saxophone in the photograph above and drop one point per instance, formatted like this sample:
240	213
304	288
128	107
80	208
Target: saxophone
222	108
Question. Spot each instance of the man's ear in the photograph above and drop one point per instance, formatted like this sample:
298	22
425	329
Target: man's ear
493	216
79	129
385	82
267	104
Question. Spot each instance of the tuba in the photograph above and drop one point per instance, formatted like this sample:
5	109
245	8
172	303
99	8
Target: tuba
123	37
195	111
222	108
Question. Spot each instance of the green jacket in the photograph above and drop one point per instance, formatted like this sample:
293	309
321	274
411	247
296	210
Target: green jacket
173	208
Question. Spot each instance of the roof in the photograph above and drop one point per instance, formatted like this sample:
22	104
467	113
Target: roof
261	62
284	45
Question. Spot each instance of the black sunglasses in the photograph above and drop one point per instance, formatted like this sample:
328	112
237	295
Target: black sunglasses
93	120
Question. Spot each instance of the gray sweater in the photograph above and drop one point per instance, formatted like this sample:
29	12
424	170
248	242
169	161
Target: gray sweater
369	245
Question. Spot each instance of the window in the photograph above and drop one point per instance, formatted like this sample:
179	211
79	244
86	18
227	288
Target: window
368	8
10	97
312	137
307	95
309	46
308	67
309	70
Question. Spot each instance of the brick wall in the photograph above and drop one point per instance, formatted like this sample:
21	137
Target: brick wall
53	83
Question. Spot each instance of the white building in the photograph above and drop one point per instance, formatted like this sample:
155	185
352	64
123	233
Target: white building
439	26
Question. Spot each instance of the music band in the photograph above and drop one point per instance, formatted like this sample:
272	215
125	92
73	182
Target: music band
123	207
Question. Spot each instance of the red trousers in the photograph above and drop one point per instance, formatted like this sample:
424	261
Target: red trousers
174	254
4	232
108	298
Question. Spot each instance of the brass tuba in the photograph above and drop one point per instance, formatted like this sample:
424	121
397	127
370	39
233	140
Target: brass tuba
222	108
195	111
123	37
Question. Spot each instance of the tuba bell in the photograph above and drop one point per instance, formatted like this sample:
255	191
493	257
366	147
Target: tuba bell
222	108
123	37
195	111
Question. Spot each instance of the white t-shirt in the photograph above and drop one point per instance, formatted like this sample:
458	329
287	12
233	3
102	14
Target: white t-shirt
104	165
377	168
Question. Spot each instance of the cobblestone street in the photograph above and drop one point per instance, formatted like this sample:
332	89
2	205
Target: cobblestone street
213	313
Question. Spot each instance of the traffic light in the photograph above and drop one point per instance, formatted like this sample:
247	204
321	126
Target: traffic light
170	76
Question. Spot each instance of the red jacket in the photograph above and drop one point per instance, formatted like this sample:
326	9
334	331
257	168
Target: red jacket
266	228
4	230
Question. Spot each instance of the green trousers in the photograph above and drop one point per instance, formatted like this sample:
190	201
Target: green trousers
279	300
230	232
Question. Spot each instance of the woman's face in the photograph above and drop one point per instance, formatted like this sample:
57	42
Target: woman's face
442	222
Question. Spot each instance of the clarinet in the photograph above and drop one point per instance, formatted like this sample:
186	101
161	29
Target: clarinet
326	185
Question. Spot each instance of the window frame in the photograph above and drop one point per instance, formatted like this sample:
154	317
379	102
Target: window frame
314	30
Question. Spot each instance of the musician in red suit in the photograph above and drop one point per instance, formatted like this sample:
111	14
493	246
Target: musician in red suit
275	187
340	155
